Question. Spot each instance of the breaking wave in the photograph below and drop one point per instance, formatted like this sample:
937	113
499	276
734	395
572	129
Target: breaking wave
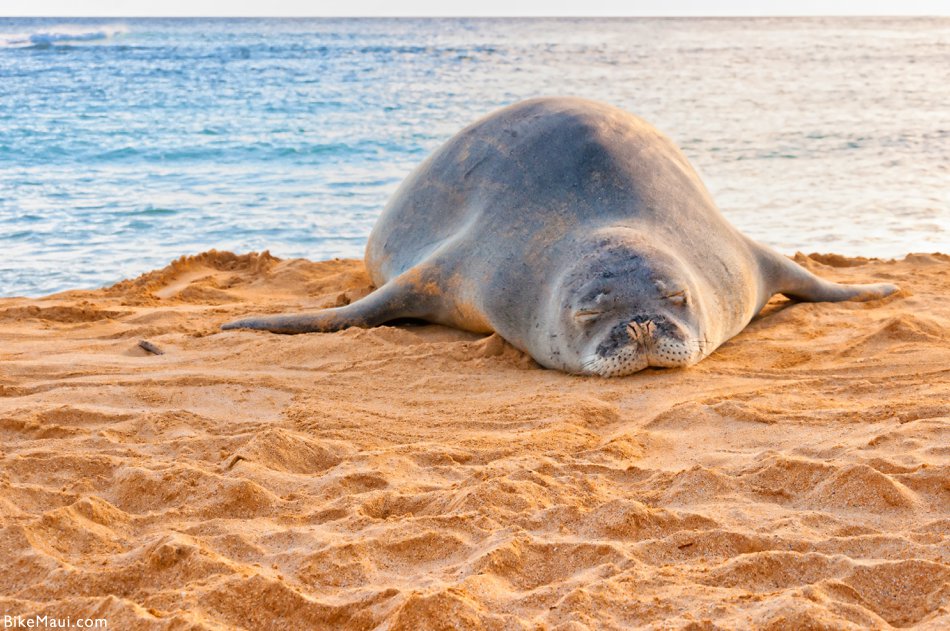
61	35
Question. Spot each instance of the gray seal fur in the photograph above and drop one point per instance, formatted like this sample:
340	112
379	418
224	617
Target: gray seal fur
577	232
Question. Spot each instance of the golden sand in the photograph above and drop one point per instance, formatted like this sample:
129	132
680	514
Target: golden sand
428	478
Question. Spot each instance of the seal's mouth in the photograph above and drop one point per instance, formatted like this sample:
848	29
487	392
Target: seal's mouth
639	344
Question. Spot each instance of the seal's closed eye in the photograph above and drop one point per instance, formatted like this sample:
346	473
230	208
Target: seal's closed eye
673	293
587	315
680	297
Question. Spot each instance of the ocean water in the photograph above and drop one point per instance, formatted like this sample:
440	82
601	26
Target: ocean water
127	143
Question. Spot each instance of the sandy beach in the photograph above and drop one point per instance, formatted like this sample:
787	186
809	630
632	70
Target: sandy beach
420	477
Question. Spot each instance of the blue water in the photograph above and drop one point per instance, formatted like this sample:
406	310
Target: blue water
127	143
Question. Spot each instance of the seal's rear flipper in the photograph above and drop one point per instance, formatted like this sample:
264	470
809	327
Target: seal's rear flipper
393	300
797	283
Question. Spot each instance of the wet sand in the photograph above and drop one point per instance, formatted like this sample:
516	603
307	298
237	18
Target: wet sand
427	478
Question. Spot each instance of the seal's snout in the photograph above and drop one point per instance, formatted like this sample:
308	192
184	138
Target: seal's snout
641	342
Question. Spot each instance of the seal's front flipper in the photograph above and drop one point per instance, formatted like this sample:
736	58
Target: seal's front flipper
824	291
325	320
393	300
796	282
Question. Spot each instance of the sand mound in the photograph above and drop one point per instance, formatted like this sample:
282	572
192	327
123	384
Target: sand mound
420	477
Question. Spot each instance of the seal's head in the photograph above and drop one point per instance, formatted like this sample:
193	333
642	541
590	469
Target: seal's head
624	307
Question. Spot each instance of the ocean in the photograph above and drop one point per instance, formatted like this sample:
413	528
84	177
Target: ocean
125	143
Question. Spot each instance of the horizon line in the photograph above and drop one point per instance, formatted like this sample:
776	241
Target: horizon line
482	17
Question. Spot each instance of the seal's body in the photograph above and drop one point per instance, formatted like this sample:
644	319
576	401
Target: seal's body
577	232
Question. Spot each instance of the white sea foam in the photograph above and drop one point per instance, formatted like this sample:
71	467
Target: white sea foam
65	34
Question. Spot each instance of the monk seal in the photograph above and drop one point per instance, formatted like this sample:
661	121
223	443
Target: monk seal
577	232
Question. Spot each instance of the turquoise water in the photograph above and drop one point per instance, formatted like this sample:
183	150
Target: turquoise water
127	143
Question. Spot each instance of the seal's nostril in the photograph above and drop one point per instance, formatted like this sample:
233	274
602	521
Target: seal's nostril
636	330
650	327
641	330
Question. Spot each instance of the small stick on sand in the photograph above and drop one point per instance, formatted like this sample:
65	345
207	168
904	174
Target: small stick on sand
151	348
